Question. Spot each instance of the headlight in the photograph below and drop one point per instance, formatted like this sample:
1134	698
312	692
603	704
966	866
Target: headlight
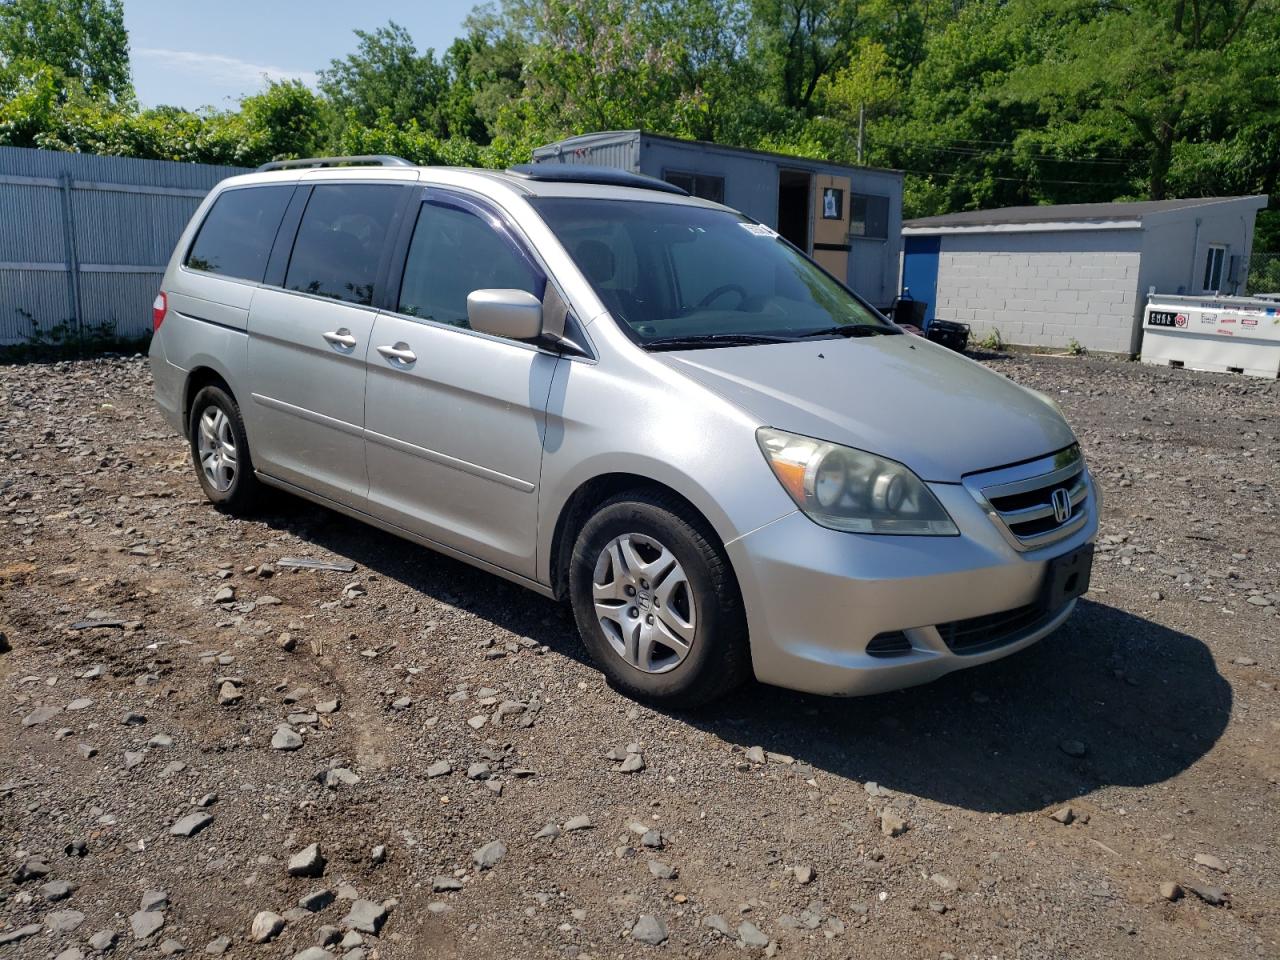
847	489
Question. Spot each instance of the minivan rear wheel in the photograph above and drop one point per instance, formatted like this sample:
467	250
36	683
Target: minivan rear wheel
220	451
656	601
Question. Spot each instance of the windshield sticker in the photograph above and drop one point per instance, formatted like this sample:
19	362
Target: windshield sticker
757	229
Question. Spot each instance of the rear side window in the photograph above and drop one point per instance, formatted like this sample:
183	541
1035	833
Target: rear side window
454	252
341	239
236	236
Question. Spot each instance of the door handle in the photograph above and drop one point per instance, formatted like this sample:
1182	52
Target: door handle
400	353
341	338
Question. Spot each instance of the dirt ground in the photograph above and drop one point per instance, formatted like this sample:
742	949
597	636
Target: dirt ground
1153	715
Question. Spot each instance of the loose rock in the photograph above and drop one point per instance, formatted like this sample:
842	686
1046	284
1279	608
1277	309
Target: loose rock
1214	896
145	923
487	857
266	926
286	738
891	823
316	901
662	871
56	890
365	916
307	862
64	921
650	929
191	824
751	936
21	933
103	940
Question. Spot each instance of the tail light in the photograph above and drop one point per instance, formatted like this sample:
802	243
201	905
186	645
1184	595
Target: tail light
159	307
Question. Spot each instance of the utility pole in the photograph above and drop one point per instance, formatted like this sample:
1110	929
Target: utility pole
862	114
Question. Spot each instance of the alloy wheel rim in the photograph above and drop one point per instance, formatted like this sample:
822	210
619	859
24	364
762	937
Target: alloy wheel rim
219	457
644	603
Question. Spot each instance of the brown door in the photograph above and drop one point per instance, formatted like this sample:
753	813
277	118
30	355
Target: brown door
831	225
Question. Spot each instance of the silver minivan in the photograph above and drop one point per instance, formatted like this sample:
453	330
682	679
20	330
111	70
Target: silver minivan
592	384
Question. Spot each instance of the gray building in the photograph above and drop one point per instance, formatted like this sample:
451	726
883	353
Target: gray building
847	218
1048	275
84	239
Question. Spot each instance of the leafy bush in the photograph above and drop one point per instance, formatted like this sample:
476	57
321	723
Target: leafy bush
61	340
992	341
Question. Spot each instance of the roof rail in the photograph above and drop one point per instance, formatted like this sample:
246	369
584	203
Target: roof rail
592	173
371	160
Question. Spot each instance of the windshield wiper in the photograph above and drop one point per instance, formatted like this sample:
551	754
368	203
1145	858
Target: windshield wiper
851	330
713	340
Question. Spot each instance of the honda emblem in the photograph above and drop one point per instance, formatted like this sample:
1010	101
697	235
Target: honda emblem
1061	505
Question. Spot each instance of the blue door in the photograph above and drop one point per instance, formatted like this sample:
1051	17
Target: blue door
920	270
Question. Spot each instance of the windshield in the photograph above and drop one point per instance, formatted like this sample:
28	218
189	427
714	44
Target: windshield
678	275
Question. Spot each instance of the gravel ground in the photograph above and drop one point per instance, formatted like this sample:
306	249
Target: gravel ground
473	788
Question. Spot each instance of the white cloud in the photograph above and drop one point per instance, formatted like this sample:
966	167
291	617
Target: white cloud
220	69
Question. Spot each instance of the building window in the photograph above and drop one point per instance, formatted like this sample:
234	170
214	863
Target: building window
697	184
1213	268
868	216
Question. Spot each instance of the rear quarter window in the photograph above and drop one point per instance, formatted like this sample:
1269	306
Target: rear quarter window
236	236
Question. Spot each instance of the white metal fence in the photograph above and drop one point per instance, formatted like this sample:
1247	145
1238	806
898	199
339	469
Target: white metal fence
85	239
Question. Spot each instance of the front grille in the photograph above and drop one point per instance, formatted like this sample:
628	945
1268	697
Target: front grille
979	634
1020	499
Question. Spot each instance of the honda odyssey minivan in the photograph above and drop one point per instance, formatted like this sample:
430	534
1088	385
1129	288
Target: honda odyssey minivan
594	385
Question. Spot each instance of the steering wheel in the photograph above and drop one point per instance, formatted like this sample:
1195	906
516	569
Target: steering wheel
721	291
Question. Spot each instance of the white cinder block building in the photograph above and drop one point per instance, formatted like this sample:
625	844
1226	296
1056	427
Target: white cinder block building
1048	275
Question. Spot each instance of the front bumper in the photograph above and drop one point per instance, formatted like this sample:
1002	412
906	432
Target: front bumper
815	598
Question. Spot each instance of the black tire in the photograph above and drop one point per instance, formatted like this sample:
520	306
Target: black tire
719	657
244	494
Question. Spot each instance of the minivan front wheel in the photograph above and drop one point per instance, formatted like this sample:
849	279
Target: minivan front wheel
220	451
656	602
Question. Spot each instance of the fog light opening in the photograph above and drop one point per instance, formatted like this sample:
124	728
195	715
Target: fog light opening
892	644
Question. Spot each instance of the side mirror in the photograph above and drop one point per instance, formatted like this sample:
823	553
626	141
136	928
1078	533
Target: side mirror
513	314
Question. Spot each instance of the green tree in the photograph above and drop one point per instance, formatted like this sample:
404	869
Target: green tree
670	66
1157	70
387	75
286	120
82	40
803	41
968	142
485	67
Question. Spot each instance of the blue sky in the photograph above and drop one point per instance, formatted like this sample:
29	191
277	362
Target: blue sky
191	54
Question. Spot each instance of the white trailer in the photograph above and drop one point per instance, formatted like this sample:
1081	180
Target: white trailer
1218	334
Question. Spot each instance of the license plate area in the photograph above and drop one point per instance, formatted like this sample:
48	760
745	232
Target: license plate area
1067	577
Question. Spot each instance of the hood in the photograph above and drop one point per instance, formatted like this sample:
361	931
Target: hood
902	397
